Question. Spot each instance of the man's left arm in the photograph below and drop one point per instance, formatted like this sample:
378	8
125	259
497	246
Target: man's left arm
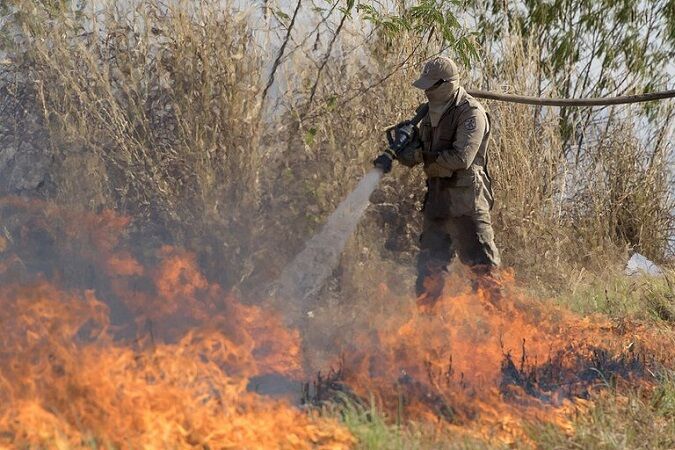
468	139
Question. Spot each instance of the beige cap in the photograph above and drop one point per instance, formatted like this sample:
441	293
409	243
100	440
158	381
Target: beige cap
437	68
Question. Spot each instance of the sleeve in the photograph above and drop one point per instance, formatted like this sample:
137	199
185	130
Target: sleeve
468	139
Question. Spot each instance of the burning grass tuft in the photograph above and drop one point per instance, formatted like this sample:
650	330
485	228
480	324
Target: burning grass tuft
472	362
173	373
151	351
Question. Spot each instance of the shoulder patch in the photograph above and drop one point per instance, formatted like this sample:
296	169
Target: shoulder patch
470	124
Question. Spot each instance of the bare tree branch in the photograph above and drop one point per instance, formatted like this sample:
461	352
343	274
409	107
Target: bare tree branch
277	61
310	34
326	58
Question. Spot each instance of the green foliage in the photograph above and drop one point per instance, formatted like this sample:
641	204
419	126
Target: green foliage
431	19
598	40
309	136
347	10
588	48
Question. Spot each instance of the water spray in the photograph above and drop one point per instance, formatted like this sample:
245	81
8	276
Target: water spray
307	273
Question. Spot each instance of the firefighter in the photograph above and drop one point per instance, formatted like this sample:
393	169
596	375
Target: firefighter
452	145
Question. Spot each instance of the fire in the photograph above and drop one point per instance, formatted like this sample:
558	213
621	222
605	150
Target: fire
176	377
62	385
484	363
102	346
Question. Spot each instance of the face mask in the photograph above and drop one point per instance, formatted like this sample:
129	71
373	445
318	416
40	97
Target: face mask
440	99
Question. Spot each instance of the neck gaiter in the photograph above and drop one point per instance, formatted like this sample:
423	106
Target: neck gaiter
440	99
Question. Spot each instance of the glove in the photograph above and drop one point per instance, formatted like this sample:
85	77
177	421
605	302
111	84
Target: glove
383	162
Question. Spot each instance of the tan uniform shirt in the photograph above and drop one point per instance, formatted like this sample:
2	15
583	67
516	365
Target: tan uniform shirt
460	140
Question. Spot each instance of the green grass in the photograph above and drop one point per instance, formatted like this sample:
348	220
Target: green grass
639	420
375	431
619	296
371	427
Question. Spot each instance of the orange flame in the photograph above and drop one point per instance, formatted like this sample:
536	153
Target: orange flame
70	378
484	362
101	346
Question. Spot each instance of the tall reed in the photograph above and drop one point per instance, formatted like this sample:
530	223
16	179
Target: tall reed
153	110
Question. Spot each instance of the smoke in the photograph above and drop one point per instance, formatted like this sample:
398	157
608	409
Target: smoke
306	274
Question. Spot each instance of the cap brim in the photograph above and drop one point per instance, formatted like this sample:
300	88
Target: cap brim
424	83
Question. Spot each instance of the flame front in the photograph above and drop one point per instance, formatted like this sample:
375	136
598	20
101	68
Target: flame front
69	378
484	361
101	348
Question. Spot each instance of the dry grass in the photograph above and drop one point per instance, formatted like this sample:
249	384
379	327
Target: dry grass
152	111
643	419
146	111
560	209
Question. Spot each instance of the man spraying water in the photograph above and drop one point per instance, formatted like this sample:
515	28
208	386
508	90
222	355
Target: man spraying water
308	271
451	143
